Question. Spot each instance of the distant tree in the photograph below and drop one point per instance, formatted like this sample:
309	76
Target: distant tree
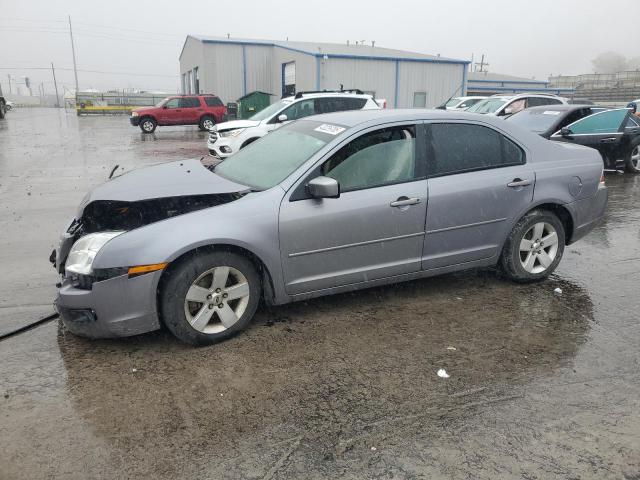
609	62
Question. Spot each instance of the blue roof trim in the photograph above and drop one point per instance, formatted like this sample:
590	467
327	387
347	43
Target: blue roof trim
523	89
502	82
335	55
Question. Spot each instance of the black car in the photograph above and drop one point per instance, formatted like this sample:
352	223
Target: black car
614	133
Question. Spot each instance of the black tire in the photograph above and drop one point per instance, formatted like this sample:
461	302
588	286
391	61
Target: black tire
2	110
148	124
179	279
206	120
248	142
632	158
511	260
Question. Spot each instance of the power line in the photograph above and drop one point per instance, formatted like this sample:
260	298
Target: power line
69	69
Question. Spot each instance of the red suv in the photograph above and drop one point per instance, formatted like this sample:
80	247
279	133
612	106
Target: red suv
202	110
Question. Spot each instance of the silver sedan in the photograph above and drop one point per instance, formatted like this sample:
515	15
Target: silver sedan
328	204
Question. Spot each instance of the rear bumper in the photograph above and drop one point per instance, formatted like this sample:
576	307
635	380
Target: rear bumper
118	307
588	213
135	121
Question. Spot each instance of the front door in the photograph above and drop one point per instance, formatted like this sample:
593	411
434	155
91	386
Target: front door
478	182
602	131
375	228
171	112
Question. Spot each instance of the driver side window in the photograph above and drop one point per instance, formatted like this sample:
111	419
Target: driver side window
381	157
173	103
300	109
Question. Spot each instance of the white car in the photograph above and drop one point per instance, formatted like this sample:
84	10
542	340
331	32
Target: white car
227	138
506	105
462	103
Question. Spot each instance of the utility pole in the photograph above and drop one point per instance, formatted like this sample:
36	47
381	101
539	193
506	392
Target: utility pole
73	51
55	84
482	64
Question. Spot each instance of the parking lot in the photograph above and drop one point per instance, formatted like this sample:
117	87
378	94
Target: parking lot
542	384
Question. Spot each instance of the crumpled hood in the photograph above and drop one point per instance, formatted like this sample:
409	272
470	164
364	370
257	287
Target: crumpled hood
236	124
174	179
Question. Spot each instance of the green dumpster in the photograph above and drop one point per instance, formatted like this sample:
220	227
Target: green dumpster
252	103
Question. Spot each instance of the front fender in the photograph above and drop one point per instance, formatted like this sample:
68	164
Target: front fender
250	223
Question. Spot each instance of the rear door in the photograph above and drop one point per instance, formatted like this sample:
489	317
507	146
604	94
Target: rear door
191	110
479	182
602	131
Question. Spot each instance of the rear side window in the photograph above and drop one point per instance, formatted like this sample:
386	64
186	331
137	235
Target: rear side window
189	102
458	147
539	101
213	101
338	104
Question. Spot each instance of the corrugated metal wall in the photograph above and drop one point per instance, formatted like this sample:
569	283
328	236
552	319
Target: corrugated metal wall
231	70
368	75
438	80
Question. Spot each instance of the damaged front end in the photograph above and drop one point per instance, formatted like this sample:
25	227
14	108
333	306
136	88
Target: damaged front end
117	215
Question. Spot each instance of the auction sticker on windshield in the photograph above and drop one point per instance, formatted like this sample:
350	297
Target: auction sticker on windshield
330	129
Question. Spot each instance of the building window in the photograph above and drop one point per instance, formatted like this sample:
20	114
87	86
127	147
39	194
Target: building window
184	83
419	99
196	81
188	92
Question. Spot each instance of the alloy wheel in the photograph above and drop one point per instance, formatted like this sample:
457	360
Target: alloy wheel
147	125
216	300
208	124
635	157
538	247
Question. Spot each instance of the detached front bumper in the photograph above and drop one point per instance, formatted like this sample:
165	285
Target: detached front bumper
117	307
135	121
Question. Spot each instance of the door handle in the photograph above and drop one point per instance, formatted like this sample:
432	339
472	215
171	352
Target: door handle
404	201
518	182
608	140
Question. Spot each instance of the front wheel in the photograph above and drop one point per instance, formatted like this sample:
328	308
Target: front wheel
148	125
210	297
632	159
534	247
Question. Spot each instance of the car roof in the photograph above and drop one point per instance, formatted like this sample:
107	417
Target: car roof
352	118
558	108
327	94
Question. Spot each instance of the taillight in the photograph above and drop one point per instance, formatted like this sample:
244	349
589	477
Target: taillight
602	179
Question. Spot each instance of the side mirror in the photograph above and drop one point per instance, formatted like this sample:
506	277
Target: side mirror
324	187
566	132
282	118
464	105
164	107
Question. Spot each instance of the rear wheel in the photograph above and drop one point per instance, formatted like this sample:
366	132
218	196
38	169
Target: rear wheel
2	110
148	125
206	123
534	247
632	159
210	297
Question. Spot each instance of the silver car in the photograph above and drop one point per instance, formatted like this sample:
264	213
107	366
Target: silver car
328	204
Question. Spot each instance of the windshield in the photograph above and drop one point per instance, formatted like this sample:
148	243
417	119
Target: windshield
453	102
268	161
270	110
490	105
536	120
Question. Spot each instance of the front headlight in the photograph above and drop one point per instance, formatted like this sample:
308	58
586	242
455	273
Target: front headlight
82	253
232	133
134	114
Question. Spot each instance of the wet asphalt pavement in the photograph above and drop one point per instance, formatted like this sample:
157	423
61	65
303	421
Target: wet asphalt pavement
542	385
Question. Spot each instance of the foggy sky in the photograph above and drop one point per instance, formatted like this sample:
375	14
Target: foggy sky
523	38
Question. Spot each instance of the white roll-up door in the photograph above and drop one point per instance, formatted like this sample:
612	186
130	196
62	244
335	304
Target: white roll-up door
290	73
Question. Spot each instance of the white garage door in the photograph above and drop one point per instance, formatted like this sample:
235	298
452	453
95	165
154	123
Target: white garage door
290	73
